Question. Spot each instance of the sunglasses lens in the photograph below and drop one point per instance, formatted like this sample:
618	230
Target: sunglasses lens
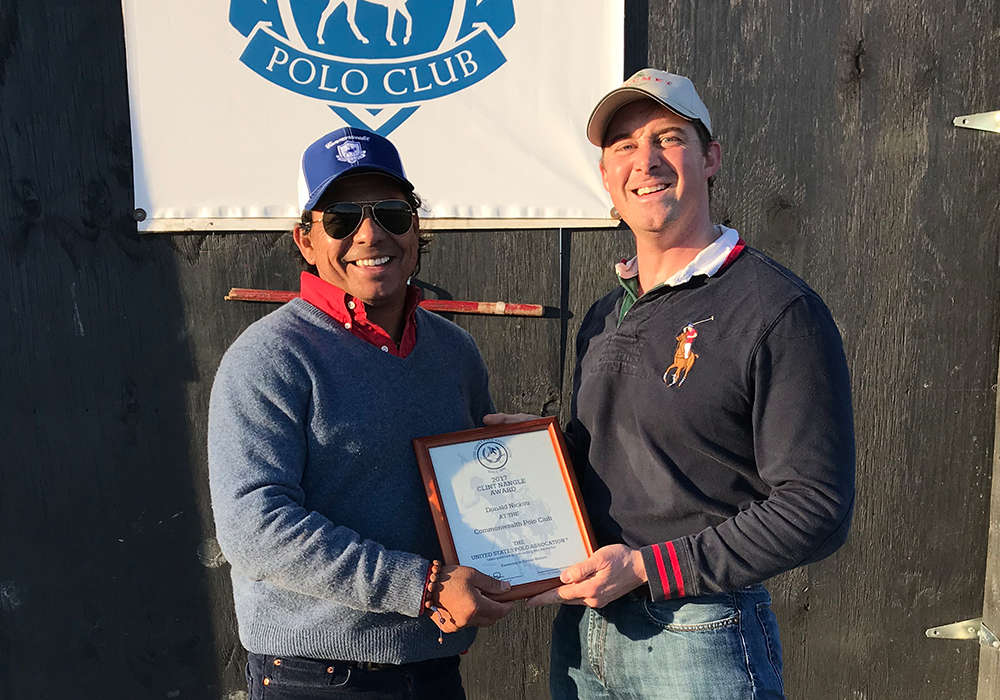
341	219
394	215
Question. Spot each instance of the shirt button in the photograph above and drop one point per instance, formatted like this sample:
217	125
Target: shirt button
350	304
385	348
347	325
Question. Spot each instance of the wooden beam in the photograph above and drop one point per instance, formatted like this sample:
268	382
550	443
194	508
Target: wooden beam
447	306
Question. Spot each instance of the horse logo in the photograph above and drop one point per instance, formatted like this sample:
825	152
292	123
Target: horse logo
684	356
331	51
393	6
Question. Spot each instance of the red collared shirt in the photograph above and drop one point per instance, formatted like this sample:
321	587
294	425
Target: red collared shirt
350	313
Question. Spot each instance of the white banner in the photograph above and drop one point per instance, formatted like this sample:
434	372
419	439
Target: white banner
487	101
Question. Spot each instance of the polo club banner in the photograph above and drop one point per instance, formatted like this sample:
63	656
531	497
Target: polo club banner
487	101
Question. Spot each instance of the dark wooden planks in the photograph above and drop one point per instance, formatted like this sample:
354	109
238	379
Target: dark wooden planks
102	592
512	266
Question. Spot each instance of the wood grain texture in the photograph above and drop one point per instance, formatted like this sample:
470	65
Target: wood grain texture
103	594
519	267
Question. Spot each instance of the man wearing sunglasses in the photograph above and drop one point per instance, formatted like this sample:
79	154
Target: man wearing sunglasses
318	501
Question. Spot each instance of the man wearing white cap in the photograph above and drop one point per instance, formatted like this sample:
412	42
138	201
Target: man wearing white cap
318	501
711	429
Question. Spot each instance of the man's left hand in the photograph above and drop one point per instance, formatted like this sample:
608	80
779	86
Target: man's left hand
607	575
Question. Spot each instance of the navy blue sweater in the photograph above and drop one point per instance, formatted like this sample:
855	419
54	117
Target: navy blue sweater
734	463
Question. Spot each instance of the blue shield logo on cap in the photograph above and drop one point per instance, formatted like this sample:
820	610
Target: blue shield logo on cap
373	62
350	152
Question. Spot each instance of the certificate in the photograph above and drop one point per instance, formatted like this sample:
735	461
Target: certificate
505	501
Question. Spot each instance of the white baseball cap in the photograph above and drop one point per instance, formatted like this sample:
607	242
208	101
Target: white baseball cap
675	92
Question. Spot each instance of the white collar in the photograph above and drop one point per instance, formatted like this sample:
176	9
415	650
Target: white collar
707	262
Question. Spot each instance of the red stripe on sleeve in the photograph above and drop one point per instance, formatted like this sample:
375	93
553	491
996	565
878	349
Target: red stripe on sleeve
661	569
676	566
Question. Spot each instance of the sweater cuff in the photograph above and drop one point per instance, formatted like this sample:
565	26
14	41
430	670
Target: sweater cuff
418	574
669	570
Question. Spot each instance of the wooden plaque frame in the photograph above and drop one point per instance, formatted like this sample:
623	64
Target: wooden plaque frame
422	447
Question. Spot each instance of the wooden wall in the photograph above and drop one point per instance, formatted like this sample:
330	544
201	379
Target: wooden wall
839	159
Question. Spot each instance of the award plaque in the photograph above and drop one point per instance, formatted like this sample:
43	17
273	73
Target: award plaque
505	501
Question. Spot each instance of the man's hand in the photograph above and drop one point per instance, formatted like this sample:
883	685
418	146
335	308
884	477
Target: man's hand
502	418
464	599
607	575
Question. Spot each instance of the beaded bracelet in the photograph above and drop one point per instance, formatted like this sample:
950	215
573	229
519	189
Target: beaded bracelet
425	591
430	600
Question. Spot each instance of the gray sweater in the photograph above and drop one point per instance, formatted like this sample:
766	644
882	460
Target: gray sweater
318	501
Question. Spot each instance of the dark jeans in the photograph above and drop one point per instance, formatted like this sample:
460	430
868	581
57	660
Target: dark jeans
295	678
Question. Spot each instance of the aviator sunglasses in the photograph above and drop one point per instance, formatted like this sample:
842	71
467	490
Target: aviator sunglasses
341	219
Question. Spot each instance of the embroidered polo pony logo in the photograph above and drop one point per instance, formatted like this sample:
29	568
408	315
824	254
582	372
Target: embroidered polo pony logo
684	356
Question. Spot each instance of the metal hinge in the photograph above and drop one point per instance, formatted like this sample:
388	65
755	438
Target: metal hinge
984	121
967	629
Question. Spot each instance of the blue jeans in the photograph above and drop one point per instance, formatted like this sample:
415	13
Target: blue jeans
296	678
722	646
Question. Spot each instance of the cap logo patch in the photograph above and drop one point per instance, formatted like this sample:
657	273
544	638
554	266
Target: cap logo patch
684	355
646	78
350	152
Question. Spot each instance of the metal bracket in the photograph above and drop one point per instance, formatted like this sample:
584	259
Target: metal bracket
984	121
967	629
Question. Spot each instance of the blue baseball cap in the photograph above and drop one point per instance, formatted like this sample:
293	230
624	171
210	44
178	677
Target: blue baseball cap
346	151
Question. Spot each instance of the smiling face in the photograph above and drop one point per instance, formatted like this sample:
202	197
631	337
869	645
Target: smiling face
371	264
655	169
